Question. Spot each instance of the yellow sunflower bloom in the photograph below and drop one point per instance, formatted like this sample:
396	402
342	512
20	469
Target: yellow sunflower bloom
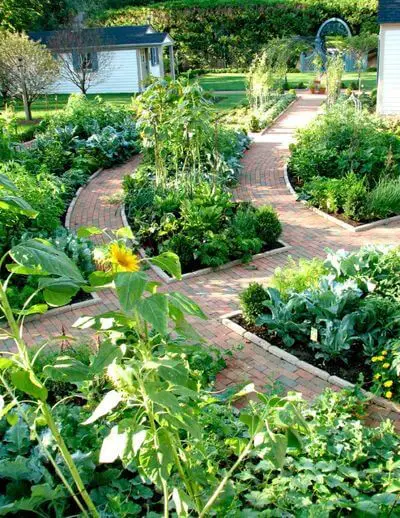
388	383
389	394
122	259
386	365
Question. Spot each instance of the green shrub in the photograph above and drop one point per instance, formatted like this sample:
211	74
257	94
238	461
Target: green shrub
297	277
269	227
356	198
251	302
384	200
343	140
43	191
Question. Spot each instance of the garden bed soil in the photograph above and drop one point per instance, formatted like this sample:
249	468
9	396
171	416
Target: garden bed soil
350	372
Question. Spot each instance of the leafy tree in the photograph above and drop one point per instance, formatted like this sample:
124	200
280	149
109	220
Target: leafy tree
28	66
359	46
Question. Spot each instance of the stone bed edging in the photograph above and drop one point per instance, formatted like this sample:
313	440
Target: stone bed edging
204	271
290	358
329	217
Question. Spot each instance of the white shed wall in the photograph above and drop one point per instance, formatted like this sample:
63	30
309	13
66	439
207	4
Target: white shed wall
389	70
123	78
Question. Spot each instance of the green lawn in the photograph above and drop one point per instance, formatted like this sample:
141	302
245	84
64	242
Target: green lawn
232	82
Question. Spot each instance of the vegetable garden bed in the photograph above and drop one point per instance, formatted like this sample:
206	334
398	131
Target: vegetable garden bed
342	315
338	219
345	165
304	360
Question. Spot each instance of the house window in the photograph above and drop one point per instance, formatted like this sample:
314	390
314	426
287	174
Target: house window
154	56
85	61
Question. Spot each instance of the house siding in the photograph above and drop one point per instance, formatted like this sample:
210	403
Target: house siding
389	70
123	78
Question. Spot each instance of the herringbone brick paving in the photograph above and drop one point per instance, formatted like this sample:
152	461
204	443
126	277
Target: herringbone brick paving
309	234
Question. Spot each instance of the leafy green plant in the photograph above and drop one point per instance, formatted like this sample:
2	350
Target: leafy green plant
269	227
298	276
384	199
252	301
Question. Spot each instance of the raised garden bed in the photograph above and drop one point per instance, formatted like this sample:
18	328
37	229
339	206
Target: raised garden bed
303	360
338	219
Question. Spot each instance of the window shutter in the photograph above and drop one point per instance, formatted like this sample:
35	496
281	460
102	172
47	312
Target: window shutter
76	60
95	61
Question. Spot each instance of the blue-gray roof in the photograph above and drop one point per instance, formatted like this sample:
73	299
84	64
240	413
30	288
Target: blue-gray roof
389	11
129	35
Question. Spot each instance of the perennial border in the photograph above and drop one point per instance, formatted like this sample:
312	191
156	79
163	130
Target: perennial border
204	271
329	217
264	130
290	358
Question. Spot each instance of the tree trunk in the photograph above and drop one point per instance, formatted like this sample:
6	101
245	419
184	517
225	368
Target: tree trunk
27	107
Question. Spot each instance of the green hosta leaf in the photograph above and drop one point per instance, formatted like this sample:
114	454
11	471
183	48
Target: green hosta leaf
106	354
130	287
109	402
37	253
186	305
88	231
18	205
7	183
154	310
26	382
169	262
67	369
113	446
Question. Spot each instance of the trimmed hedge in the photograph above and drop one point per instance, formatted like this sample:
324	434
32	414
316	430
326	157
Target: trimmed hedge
221	34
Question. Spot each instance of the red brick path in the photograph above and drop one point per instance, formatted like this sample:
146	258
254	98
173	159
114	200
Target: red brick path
309	234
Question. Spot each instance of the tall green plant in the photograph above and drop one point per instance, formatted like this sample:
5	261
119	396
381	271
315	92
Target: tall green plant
174	120
334	74
154	401
60	280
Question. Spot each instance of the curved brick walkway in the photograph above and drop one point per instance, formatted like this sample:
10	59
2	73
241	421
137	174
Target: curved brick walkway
309	234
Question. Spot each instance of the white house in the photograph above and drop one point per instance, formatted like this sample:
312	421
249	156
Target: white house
388	102
130	55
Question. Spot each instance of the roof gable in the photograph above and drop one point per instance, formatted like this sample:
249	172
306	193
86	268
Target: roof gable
389	11
140	35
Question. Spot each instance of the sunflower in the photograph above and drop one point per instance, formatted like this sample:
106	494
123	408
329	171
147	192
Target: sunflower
122	259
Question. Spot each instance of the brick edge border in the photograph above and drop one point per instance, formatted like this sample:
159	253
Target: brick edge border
290	358
329	217
275	119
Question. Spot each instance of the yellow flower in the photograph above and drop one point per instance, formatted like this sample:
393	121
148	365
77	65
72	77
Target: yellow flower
389	394
381	358
384	353
122	259
386	365
377	376
374	359
388	383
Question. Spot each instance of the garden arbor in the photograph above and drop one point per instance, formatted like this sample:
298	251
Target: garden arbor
334	27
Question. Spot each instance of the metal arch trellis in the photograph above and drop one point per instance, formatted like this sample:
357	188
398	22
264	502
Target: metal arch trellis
333	26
